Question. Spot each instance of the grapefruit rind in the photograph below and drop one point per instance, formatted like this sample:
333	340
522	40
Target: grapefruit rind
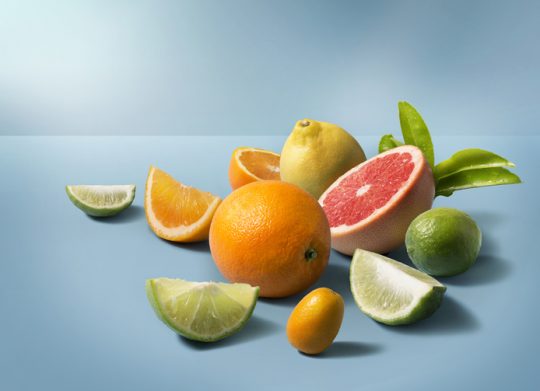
391	292
417	159
385	228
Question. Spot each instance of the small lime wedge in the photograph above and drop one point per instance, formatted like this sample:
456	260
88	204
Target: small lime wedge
101	200
202	311
391	292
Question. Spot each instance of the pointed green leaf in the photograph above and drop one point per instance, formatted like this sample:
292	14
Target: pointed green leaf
388	142
415	131
478	177
469	159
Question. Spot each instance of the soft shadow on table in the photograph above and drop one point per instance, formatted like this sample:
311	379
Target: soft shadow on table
400	254
451	318
335	276
487	269
289	301
486	218
133	213
344	349
255	328
202	246
489	245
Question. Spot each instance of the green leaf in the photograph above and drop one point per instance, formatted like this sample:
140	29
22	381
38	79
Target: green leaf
469	159
478	177
415	131
388	142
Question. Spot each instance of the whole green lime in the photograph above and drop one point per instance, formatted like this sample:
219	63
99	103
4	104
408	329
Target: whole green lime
443	241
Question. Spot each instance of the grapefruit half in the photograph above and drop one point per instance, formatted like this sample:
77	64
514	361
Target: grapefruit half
371	205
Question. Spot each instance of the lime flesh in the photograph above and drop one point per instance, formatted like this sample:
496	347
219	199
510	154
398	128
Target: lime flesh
101	200
390	292
202	311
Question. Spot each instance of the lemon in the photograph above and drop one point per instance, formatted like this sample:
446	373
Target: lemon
443	241
391	292
202	311
316	154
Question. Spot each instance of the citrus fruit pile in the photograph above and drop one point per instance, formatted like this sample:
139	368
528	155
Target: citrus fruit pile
272	235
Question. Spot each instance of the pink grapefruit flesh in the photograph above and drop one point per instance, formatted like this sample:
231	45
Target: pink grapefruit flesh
371	206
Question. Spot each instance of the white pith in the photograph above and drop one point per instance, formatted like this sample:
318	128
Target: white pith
417	159
394	276
363	190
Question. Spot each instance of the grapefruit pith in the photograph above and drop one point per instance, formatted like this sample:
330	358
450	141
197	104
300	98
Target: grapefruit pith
371	206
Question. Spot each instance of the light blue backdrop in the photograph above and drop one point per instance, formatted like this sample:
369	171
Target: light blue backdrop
247	67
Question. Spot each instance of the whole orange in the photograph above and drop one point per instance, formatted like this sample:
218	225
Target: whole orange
273	235
315	321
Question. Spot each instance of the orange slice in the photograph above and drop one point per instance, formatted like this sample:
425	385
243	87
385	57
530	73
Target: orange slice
175	211
252	164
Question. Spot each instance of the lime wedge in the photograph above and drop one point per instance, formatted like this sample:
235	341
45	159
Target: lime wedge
391	292
101	200
202	311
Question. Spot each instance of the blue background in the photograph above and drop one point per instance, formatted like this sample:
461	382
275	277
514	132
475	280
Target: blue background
74	311
252	67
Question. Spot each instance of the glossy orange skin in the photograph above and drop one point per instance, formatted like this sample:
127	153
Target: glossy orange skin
262	233
315	321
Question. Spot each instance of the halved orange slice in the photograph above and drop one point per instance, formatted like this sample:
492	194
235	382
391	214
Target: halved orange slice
175	211
252	164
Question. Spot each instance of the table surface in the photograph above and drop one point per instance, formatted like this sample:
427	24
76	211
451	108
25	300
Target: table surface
75	314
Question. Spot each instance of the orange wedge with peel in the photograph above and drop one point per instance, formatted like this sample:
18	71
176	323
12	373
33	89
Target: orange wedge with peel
252	164
177	212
